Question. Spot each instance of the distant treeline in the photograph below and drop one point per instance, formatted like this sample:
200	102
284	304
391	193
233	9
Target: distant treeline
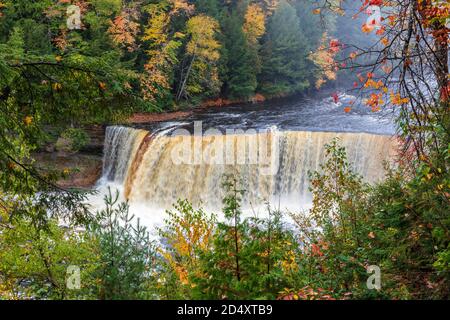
179	52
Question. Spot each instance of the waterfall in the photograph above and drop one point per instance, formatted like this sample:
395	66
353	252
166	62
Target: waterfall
121	147
159	169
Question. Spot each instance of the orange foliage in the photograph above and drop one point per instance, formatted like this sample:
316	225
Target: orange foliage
396	99
324	59
366	28
123	31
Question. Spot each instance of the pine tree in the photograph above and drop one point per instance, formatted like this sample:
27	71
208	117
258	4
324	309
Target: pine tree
208	7
241	71
284	54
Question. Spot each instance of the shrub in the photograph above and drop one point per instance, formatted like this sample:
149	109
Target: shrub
125	253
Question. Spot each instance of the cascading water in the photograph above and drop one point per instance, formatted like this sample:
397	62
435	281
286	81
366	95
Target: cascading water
158	169
121	146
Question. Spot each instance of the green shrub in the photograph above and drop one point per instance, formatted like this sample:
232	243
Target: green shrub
125	253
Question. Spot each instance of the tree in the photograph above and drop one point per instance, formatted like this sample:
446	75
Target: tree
43	86
324	59
202	52
187	235
254	23
34	262
125	253
284	54
407	70
211	8
242	64
412	46
125	27
157	79
249	258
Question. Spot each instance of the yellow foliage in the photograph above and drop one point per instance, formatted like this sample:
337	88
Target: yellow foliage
8	289
156	76
254	23
158	22
366	28
370	83
28	120
203	43
181	5
187	235
102	85
289	264
396	99
57	86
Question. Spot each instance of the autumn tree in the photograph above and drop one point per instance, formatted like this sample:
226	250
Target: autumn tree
51	79
406	68
324	59
157	79
125	27
254	24
199	71
186	235
254	28
46	84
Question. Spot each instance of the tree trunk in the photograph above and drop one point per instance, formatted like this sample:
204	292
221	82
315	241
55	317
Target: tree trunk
183	84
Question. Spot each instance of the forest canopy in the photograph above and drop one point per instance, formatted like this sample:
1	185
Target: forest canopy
176	52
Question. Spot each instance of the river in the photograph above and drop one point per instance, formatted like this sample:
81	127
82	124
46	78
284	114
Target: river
270	147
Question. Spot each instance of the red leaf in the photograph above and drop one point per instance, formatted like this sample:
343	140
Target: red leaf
335	97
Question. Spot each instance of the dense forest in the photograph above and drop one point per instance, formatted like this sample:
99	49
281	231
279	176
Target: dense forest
175	53
66	64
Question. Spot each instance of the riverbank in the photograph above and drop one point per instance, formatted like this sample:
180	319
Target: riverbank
81	171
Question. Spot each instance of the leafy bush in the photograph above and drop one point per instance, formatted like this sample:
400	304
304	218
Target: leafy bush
401	225
235	259
186	235
34	262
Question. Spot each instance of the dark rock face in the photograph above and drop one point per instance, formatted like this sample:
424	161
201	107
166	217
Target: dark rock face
81	169
96	140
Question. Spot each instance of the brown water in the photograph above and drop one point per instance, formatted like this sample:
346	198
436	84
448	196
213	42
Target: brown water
272	152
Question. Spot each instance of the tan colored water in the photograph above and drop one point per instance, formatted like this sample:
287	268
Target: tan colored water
158	170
